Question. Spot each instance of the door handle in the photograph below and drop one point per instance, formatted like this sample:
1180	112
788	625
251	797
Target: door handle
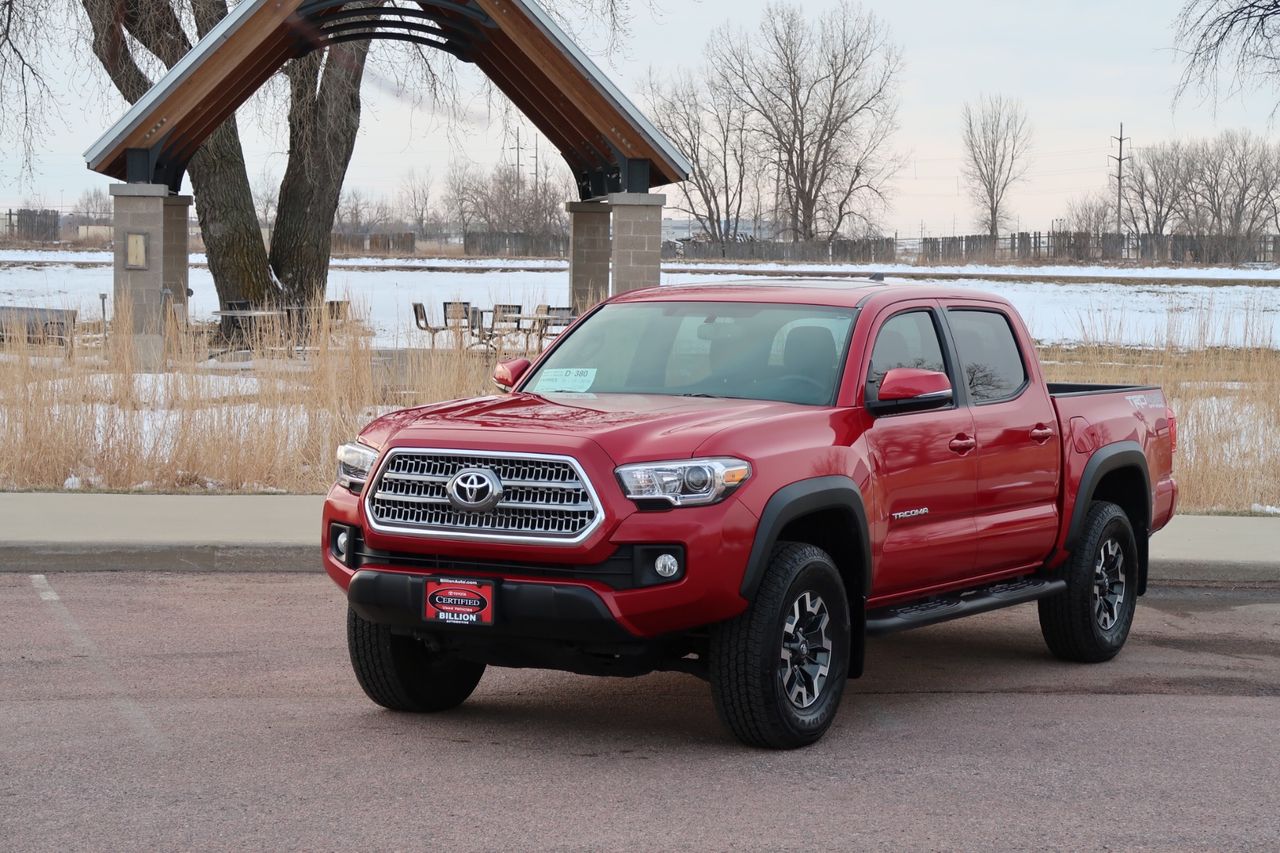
1041	433
962	444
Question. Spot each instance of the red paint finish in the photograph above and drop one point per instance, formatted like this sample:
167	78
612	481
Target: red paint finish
955	494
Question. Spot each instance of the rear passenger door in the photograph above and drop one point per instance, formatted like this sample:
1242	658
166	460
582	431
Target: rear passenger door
1019	450
924	462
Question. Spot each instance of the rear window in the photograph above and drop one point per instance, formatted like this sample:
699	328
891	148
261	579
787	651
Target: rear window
989	355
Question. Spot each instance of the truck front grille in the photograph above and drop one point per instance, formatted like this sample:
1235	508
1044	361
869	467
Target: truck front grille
543	497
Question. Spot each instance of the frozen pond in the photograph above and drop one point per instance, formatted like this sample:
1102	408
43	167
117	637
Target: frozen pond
1138	314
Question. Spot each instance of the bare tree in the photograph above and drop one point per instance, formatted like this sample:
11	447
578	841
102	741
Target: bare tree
997	142
705	119
93	208
1231	189
822	97
1091	214
1154	185
415	201
266	197
1241	37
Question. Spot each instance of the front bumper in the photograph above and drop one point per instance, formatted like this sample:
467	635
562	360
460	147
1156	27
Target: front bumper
549	611
716	541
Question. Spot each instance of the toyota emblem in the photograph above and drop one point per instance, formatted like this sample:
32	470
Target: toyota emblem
474	490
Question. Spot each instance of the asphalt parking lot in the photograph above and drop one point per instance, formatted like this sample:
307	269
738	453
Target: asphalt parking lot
170	711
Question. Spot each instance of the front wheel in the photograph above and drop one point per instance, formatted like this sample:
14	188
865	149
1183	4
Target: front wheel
1090	621
778	670
399	672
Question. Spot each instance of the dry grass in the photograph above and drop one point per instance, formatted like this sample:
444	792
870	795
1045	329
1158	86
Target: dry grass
267	421
271	421
1227	399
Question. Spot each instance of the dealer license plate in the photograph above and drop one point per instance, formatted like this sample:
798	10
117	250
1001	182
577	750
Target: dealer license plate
459	601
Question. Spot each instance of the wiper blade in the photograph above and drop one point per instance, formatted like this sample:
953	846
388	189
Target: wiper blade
710	396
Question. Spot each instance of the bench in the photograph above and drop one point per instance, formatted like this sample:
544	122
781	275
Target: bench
40	325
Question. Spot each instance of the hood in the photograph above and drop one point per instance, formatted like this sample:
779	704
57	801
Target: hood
629	427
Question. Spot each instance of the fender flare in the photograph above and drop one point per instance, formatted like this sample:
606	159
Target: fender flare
799	499
1112	457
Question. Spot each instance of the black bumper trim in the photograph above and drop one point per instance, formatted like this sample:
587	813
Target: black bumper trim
533	610
628	567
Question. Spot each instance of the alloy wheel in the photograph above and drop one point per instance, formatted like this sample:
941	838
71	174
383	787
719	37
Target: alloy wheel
806	650
1108	584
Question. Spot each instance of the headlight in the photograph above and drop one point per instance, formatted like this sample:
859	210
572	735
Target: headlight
687	482
354	463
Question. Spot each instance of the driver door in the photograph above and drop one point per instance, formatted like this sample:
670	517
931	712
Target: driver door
924	462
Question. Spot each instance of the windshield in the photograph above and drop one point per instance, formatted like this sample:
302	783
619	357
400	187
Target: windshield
753	351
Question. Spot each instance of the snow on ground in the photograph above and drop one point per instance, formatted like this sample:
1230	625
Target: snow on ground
1060	313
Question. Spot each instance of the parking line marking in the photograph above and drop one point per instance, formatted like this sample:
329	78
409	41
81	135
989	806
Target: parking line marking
129	710
41	583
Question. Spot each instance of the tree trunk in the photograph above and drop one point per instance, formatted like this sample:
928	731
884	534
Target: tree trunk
228	221
224	205
324	117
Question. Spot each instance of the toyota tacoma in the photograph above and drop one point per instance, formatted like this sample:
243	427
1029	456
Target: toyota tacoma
744	482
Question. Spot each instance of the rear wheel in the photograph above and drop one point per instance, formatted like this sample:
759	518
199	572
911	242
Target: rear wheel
779	669
1090	621
399	672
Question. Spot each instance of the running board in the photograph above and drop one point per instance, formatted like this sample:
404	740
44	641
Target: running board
954	605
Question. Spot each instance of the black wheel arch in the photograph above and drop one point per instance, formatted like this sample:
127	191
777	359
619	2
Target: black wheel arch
1117	473
827	512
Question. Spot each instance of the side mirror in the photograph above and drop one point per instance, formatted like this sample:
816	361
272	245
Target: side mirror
507	373
906	389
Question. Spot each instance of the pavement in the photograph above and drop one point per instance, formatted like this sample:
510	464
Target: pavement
178	710
48	532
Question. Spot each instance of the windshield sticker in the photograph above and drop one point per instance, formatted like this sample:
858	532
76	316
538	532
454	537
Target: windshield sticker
572	380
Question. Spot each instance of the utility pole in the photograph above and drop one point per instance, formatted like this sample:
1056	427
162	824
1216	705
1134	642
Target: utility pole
1120	183
519	163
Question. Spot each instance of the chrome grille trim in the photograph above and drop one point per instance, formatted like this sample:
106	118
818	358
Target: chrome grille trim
547	498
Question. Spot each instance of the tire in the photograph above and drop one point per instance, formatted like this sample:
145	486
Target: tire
1090	621
399	672
765	699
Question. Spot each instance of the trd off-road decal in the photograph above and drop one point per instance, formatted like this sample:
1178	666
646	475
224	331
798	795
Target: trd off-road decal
459	602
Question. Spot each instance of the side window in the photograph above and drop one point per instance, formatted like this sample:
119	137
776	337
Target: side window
988	350
907	340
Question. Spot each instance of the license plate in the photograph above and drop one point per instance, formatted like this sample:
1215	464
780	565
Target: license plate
459	601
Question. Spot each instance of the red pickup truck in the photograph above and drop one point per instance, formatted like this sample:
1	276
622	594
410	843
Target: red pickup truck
743	482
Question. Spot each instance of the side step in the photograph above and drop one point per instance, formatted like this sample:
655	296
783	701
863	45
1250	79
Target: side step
954	605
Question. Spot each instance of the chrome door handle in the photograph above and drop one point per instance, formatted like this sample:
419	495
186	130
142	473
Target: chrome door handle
962	444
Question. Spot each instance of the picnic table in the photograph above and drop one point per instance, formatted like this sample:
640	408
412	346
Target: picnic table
39	324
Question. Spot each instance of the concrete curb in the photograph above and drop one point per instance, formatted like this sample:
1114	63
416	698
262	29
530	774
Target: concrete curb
41	558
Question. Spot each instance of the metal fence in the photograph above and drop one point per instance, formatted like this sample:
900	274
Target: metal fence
868	251
505	244
1083	247
28	225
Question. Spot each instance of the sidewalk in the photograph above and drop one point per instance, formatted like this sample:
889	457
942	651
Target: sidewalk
281	533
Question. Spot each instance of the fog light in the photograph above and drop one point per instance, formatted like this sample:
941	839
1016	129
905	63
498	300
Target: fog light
340	544
666	566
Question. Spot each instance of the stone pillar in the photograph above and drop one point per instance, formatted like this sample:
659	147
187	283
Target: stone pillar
588	252
150	267
637	240
177	256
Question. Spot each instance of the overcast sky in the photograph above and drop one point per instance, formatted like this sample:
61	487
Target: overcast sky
1081	68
